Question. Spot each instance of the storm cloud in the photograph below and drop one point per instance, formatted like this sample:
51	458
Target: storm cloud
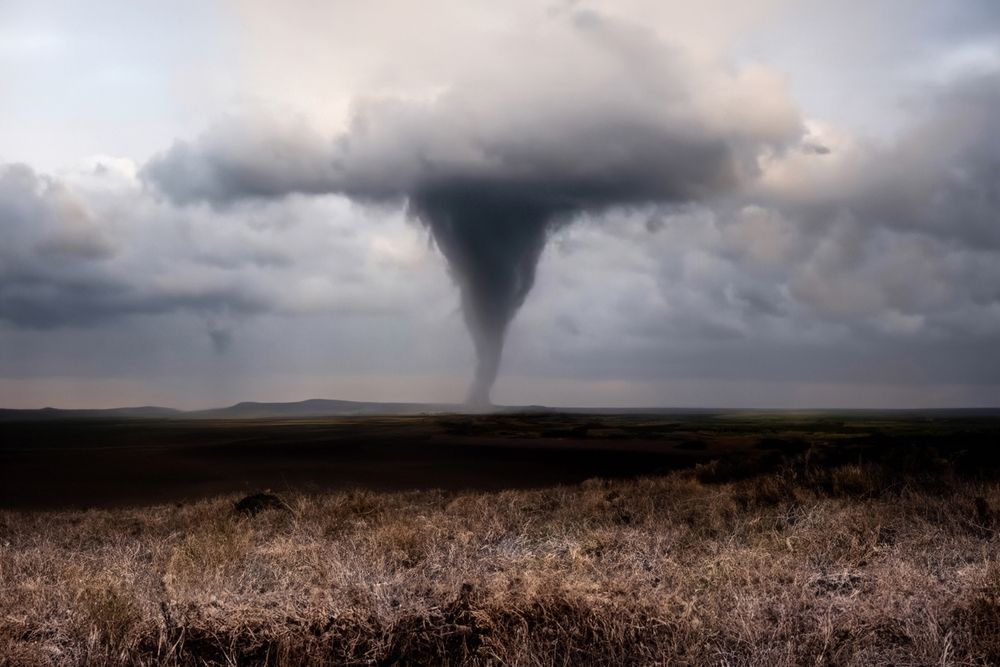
63	264
493	164
639	203
92	248
903	230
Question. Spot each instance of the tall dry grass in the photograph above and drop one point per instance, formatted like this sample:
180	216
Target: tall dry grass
840	566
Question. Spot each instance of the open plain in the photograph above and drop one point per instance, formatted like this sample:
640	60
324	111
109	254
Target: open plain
736	538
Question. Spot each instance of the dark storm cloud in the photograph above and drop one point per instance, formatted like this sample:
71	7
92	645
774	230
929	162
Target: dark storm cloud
240	159
873	262
943	176
605	116
911	226
940	176
60	265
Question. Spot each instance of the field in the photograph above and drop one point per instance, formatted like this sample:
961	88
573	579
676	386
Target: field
730	538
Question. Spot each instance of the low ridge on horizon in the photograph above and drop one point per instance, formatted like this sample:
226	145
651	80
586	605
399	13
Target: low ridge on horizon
334	407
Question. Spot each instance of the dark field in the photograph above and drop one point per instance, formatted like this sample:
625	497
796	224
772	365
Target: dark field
115	462
731	538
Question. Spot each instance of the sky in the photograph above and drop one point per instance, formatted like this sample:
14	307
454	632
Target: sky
625	203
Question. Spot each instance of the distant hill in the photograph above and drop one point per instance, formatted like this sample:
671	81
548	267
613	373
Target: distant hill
143	412
320	407
315	407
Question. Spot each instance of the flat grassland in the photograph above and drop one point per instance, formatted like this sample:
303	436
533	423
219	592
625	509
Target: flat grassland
730	538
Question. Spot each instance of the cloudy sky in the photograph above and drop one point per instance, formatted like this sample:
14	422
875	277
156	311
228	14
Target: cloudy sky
770	203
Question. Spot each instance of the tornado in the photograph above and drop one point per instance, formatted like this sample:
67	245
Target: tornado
499	160
492	242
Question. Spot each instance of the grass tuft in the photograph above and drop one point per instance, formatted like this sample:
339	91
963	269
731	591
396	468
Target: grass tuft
802	563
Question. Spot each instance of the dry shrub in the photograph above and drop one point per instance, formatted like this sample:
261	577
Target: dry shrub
802	566
766	491
558	627
854	481
208	558
978	621
402	544
16	652
110	620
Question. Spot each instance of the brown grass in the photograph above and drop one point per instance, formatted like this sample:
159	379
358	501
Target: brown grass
837	566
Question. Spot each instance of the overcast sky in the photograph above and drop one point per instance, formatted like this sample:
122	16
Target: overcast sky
764	204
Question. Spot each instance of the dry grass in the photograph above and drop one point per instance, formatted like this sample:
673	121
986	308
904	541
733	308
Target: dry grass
837	566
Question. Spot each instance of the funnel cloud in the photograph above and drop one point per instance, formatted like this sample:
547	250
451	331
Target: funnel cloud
492	245
495	163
